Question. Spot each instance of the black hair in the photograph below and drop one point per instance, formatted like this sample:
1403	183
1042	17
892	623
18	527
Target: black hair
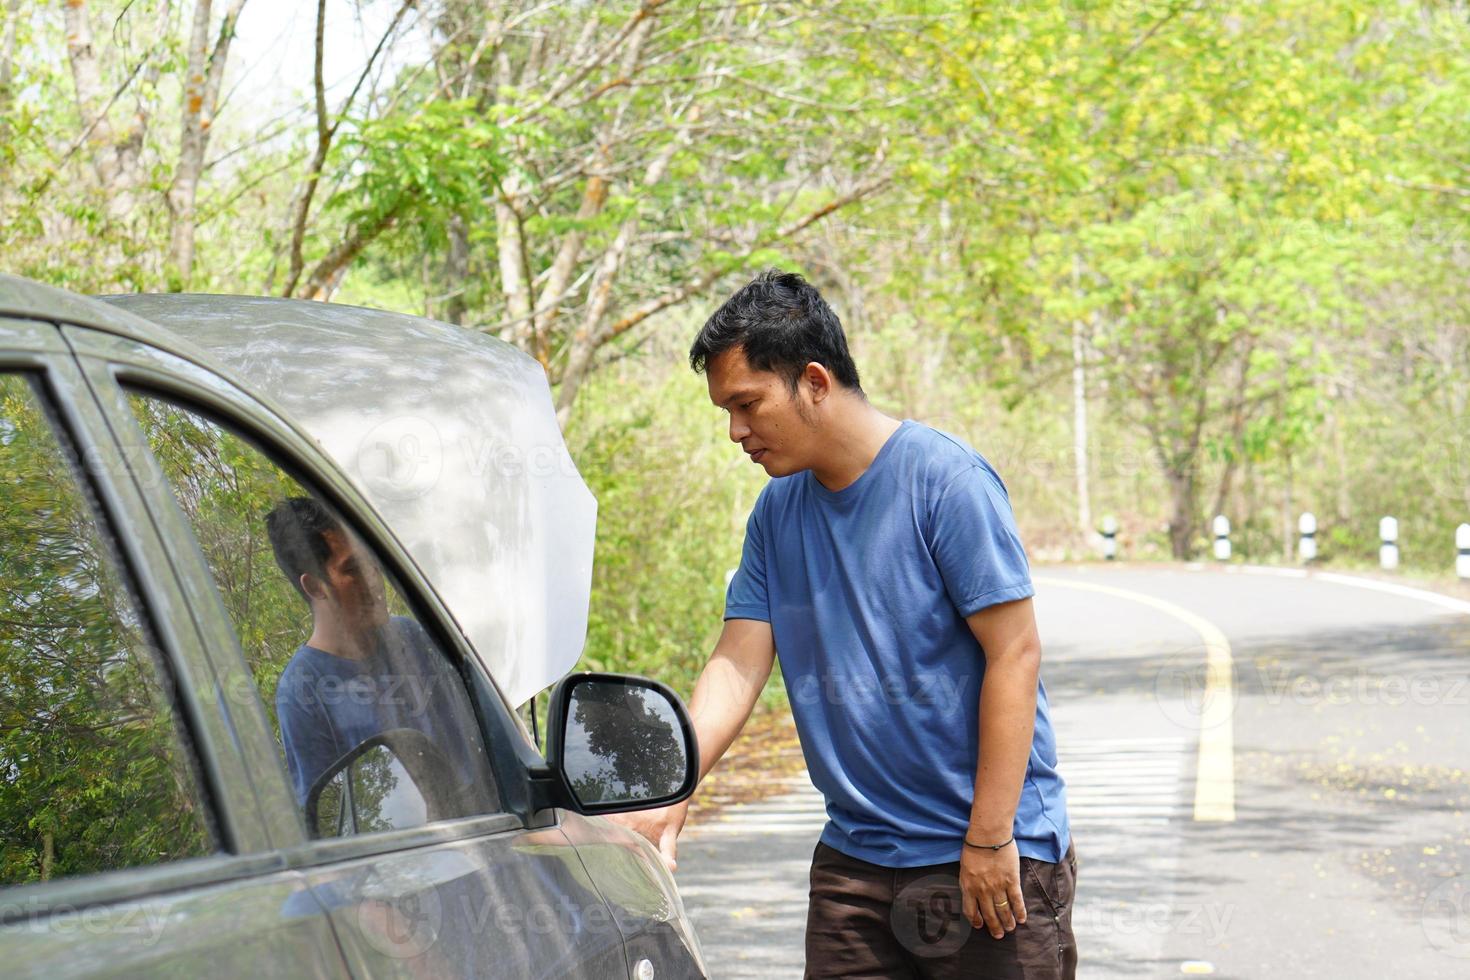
782	324
297	528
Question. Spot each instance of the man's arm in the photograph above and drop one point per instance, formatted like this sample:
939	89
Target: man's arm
1007	633
729	687
723	698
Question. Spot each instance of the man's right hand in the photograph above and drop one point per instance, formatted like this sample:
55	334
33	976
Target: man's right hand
660	826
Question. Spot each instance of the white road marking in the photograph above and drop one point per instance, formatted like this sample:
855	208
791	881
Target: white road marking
801	811
1124	782
1357	582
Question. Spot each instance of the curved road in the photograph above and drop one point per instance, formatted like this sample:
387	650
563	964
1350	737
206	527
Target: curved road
1267	776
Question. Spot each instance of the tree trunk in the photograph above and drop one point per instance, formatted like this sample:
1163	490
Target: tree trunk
1185	515
7	59
202	83
48	855
1288	525
1344	499
1079	432
1079	413
115	154
1237	433
593	334
457	271
511	251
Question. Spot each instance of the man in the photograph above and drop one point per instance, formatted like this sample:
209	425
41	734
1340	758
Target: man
362	672
882	564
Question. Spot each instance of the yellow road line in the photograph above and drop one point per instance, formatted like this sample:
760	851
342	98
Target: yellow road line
1214	785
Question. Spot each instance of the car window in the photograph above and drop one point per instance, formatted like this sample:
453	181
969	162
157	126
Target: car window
339	657
93	774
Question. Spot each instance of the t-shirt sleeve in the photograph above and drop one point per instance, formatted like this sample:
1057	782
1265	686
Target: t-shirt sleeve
746	597
974	541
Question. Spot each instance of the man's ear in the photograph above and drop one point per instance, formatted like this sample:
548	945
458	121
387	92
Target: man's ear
817	380
314	587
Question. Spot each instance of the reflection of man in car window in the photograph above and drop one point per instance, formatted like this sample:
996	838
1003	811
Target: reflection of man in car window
362	672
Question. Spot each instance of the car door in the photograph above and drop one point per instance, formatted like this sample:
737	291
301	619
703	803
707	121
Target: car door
129	845
474	889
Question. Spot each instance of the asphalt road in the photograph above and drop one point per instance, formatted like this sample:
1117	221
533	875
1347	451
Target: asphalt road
1267	778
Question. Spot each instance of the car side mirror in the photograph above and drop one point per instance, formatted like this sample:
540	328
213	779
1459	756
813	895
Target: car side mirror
619	743
392	781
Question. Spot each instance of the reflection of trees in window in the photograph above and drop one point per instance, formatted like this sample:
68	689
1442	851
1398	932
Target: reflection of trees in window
91	775
594	787
226	487
374	779
641	752
331	820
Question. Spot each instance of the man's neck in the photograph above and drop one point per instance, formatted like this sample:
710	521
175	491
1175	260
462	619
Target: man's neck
854	442
329	638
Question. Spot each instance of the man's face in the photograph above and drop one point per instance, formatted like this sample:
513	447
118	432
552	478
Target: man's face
775	428
354	583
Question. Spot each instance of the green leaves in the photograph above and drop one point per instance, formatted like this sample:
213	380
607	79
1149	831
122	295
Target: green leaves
437	159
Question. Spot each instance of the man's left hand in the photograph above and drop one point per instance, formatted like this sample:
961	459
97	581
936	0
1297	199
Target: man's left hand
990	888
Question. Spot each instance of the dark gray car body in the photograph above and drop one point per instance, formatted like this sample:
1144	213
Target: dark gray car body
533	891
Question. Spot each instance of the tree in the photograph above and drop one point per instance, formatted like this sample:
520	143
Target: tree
1203	310
102	190
603	163
1109	155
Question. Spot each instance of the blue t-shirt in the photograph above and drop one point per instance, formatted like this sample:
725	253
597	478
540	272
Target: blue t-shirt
328	705
866	590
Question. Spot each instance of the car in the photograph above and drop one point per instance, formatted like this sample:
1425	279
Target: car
203	501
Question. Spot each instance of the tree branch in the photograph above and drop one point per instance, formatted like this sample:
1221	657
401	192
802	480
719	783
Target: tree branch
328	271
326	132
1431	188
599	57
648	308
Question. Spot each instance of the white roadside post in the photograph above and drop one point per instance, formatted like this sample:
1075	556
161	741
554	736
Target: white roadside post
1388	552
1222	537
1110	538
1306	549
1462	545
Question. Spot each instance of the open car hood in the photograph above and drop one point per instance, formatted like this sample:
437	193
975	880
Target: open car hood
451	435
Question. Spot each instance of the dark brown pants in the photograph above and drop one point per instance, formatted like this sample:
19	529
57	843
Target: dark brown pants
907	923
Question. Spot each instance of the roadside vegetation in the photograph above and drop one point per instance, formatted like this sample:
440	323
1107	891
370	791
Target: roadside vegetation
1156	259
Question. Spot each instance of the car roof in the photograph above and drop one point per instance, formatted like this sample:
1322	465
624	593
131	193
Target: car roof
449	433
25	299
